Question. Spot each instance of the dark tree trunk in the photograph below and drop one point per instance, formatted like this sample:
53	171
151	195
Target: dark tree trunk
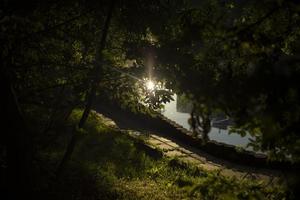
91	94
17	141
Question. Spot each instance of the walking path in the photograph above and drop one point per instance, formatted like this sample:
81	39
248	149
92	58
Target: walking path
162	138
172	149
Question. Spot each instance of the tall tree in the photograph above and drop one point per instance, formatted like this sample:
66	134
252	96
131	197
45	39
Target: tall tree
90	96
242	58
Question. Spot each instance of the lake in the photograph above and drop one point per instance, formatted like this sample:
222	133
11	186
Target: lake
178	113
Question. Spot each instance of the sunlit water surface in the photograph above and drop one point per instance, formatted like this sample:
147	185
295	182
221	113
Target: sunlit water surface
220	135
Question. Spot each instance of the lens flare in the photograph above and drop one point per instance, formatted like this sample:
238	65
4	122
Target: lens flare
150	85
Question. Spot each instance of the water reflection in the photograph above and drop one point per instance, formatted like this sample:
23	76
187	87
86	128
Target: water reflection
180	111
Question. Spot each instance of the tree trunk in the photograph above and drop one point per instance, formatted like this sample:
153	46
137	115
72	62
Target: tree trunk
18	143
91	94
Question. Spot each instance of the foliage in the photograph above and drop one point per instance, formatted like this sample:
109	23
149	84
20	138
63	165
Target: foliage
128	172
238	57
241	58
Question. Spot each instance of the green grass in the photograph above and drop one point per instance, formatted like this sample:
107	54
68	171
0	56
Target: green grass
110	164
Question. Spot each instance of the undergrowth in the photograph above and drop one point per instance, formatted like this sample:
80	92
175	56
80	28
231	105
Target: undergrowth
110	164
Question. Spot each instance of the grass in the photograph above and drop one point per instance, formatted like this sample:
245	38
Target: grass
110	164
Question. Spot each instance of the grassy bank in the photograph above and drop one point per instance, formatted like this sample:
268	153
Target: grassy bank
110	164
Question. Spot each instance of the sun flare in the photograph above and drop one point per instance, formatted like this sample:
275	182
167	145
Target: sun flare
150	85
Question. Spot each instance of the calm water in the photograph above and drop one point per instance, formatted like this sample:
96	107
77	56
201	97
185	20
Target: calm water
172	112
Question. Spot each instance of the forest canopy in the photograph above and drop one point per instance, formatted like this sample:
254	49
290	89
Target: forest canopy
237	57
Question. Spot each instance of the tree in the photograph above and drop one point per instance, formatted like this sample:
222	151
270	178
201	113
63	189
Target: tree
90	96
52	47
241	58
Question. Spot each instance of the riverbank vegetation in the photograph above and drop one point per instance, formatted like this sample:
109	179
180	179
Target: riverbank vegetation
240	58
110	164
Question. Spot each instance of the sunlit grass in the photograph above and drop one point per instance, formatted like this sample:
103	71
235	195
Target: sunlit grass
110	164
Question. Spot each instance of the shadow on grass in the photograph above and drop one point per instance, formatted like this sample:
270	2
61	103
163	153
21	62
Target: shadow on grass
102	156
110	164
